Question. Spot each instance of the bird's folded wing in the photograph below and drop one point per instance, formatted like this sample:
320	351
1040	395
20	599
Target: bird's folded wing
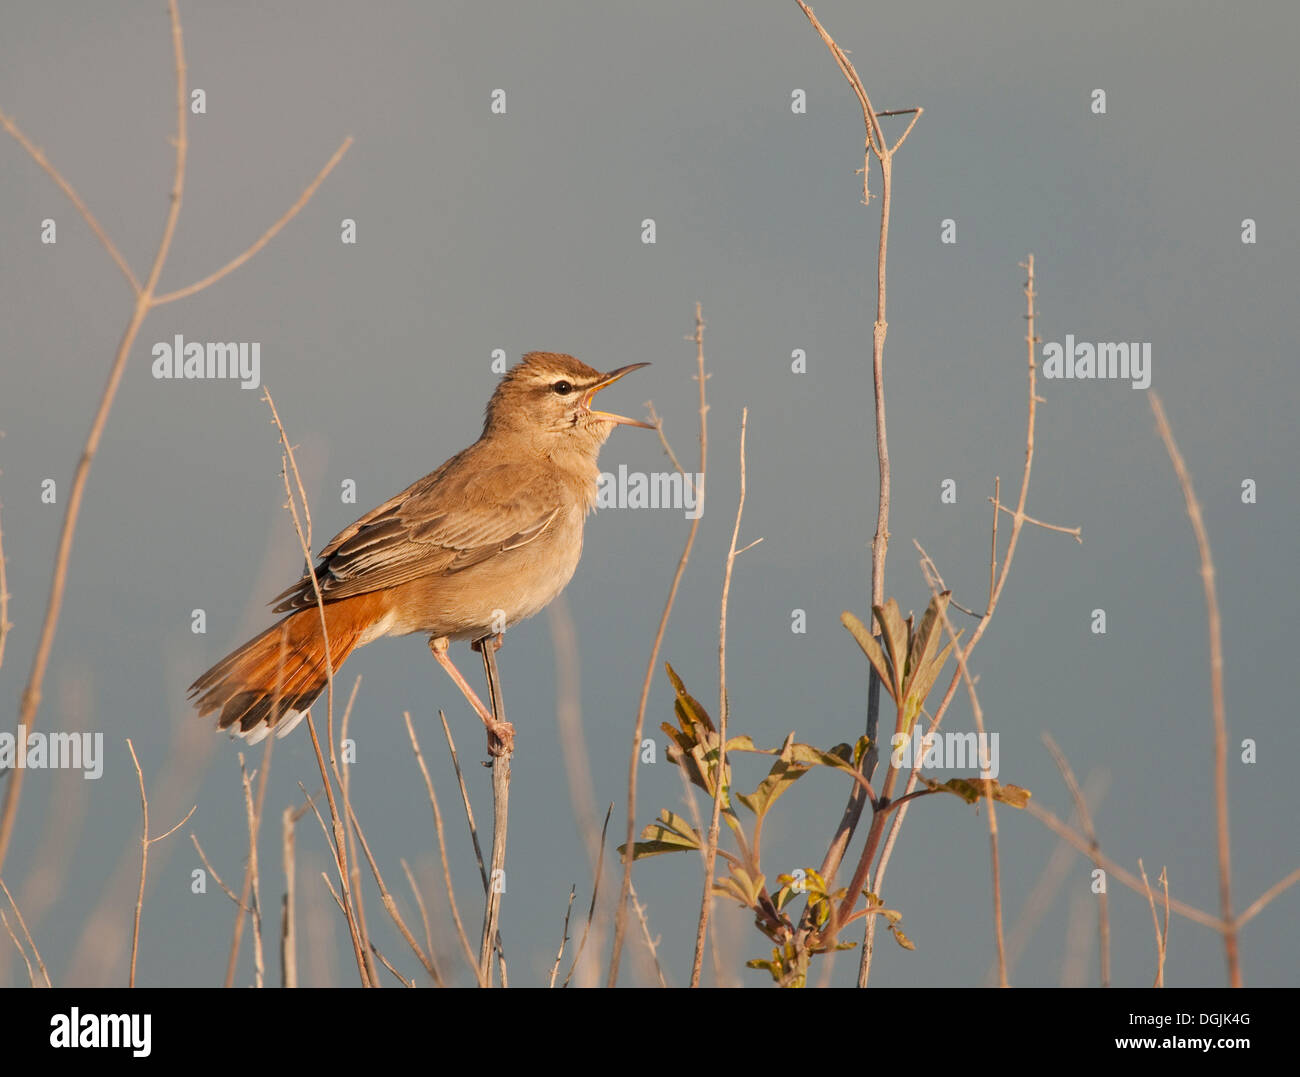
434	527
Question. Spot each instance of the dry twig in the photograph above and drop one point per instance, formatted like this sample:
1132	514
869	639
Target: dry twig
145	300
711	849
620	915
145	842
1214	627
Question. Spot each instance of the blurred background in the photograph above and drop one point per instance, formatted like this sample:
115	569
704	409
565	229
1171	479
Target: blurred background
478	231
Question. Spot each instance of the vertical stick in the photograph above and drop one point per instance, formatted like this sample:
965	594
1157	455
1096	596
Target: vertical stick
500	819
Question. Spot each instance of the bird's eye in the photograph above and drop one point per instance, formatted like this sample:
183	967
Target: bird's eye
562	388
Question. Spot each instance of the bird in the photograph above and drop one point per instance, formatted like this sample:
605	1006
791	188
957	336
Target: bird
483	542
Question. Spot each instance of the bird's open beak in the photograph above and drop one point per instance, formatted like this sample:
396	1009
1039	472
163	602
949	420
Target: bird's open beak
610	379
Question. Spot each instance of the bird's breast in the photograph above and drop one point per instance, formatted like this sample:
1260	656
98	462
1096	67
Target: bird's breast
493	594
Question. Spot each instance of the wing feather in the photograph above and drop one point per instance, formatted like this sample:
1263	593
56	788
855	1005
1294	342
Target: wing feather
446	522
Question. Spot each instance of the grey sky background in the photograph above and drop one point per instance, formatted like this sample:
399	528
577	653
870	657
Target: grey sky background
522	231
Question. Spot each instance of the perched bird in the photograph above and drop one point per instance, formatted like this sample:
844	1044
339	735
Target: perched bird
483	542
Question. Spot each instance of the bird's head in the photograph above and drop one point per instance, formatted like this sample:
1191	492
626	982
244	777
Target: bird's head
549	396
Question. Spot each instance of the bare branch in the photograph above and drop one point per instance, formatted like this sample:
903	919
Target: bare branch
265	238
213	872
1215	630
39	157
145	299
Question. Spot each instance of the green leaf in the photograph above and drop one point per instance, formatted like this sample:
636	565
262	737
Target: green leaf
840	756
742	886
895	632
669	834
643	849
924	678
672	828
901	939
975	789
687	706
784	773
682	741
926	640
871	648
689	755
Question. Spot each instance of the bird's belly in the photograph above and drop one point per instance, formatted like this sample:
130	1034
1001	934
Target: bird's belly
489	597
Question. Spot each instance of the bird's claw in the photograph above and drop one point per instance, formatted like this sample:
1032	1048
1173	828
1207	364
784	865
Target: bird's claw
501	739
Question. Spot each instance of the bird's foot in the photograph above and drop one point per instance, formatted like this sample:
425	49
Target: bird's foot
501	738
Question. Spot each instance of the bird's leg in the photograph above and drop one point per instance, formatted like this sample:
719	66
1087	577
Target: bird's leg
501	734
438	646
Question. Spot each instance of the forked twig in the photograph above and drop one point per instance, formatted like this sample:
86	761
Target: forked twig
876	145
145	842
1162	937
145	299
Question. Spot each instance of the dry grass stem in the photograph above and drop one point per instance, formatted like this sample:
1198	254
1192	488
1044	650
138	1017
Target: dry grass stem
31	943
1214	628
711	849
442	848
1162	937
625	887
595	893
288	904
252	882
390	904
1085	819
145	842
652	944
465	801
935	581
424	914
1044	891
564	936
338	836
207	866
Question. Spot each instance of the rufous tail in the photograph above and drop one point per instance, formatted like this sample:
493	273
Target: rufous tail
271	681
